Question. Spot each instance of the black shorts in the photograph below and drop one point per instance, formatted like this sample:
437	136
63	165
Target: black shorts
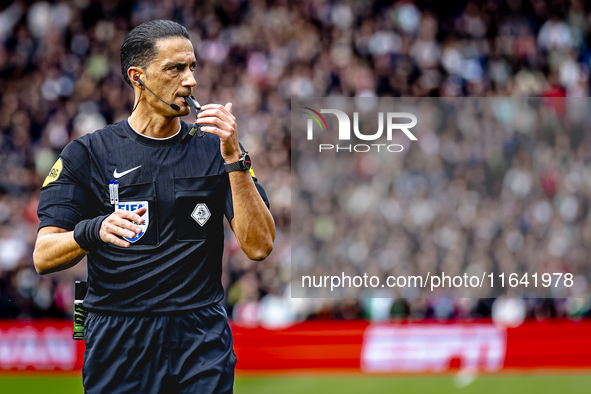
190	352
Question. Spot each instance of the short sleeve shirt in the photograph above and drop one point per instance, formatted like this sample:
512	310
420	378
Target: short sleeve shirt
175	264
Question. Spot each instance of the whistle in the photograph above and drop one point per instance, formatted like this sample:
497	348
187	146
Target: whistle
196	129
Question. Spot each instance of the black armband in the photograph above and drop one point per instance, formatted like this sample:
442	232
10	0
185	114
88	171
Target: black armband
87	233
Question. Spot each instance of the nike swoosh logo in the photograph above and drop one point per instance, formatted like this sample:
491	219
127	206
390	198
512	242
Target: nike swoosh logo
120	174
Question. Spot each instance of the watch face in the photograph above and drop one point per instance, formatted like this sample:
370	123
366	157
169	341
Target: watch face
247	162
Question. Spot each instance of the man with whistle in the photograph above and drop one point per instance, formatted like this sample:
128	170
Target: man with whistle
147	211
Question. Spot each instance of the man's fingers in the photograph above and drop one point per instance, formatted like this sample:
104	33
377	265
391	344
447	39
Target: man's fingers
118	230
225	125
134	216
126	224
216	131
132	227
124	233
209	106
116	241
214	106
217	114
218	110
211	120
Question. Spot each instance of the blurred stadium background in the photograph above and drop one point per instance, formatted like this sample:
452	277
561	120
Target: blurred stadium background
60	78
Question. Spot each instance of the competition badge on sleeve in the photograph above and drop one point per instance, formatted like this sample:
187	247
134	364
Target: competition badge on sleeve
134	206
55	172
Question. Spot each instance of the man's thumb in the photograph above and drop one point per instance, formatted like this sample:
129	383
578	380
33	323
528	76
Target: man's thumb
229	107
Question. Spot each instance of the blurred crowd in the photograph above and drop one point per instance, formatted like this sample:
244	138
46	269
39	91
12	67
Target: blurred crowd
60	78
493	186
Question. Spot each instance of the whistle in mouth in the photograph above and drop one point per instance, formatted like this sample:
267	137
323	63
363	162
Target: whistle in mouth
196	129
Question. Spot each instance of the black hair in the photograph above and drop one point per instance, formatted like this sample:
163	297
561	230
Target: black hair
139	47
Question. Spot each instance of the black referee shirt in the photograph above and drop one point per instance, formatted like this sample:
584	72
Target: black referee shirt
176	263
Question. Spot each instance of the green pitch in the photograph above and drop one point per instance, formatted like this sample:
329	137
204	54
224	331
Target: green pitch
507	384
420	384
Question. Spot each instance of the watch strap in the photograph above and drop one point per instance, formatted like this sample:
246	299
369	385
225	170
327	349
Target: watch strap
234	167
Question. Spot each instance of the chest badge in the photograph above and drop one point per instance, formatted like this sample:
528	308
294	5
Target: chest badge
201	214
133	206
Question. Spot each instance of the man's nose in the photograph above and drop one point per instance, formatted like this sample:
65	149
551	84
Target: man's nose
189	79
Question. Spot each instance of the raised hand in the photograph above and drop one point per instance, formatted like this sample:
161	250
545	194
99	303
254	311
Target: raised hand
225	128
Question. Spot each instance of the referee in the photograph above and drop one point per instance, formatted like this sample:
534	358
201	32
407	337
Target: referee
147	211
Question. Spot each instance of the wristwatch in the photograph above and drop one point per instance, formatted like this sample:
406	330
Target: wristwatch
243	164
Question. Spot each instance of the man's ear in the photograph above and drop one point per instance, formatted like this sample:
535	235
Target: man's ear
135	73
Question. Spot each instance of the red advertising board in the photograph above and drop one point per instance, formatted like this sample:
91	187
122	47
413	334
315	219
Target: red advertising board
39	345
342	345
414	347
549	344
